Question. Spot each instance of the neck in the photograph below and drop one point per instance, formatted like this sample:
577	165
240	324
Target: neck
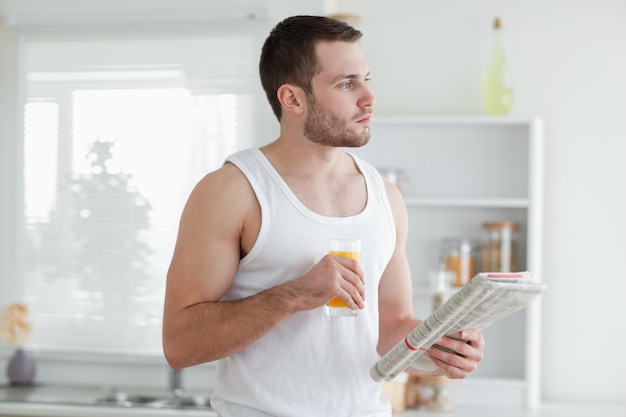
300	156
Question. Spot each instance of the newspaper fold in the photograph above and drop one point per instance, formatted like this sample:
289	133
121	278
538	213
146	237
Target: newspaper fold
486	299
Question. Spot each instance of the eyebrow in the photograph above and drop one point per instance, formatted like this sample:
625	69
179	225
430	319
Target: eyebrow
350	76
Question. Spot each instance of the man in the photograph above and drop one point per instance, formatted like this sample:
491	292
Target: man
250	273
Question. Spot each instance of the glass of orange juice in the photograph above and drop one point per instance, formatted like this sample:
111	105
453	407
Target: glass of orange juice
350	248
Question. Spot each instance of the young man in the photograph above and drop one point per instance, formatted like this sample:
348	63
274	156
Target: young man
250	274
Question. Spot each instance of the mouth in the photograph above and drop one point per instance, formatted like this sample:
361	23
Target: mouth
365	119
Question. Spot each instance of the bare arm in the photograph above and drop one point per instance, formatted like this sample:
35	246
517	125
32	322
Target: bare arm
395	295
396	307
220	224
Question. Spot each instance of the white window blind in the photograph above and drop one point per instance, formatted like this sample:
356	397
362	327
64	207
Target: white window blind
118	128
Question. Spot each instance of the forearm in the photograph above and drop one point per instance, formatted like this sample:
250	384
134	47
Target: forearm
396	333
199	328
209	331
454	357
392	333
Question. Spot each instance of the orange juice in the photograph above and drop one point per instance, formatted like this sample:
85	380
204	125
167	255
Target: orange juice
352	255
338	302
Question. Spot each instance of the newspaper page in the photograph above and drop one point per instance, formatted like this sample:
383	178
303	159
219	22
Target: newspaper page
486	299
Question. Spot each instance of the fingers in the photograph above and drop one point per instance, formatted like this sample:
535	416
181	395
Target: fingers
473	338
458	358
354	295
332	277
349	282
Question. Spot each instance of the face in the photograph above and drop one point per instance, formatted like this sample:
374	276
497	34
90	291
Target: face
338	112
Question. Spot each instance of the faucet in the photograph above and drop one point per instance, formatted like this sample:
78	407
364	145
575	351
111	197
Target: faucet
176	382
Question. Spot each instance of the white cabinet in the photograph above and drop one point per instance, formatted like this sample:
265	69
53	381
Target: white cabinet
462	172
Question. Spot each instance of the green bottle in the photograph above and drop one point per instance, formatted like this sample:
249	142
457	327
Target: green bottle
498	83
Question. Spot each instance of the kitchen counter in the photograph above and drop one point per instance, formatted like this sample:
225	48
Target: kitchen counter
545	410
14	409
74	401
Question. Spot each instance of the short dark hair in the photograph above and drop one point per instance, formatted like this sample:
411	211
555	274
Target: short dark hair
288	54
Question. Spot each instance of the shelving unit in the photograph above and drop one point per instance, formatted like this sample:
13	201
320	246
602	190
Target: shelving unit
461	172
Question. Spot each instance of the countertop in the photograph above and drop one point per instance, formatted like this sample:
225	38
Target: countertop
74	401
15	409
83	402
545	410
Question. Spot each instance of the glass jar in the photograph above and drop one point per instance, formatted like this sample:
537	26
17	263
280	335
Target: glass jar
396	176
440	281
500	249
437	393
459	256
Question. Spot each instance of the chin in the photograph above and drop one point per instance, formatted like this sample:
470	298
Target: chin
358	144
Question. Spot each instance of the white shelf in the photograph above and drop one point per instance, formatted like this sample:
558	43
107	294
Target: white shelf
425	290
462	171
467	202
451	121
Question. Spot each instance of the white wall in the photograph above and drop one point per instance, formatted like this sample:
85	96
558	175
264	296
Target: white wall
570	68
83	369
569	61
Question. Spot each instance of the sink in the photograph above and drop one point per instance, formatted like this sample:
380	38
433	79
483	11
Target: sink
131	398
121	399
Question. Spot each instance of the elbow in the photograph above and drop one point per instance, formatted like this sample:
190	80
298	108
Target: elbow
176	357
173	359
174	354
180	354
183	346
173	343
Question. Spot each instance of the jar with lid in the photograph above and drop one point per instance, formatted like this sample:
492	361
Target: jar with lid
396	176
440	280
500	250
459	256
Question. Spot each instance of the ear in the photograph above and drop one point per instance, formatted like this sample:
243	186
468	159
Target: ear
291	98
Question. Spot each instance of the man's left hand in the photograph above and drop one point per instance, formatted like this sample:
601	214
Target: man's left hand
457	358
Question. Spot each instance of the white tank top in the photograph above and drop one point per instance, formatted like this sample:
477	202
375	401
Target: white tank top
312	365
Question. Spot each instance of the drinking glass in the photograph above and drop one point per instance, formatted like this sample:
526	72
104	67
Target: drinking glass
349	248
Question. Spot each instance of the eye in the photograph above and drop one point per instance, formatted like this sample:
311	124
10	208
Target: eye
346	85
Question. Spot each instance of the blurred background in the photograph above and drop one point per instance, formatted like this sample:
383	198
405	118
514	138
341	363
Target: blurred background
427	59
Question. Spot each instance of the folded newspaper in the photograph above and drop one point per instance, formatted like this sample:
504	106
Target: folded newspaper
486	299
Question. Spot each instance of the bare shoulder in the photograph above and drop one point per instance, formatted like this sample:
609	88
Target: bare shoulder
224	203
219	218
227	185
397	203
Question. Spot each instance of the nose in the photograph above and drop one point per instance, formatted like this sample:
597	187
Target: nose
368	99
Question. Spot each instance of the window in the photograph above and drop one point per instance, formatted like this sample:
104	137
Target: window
117	131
